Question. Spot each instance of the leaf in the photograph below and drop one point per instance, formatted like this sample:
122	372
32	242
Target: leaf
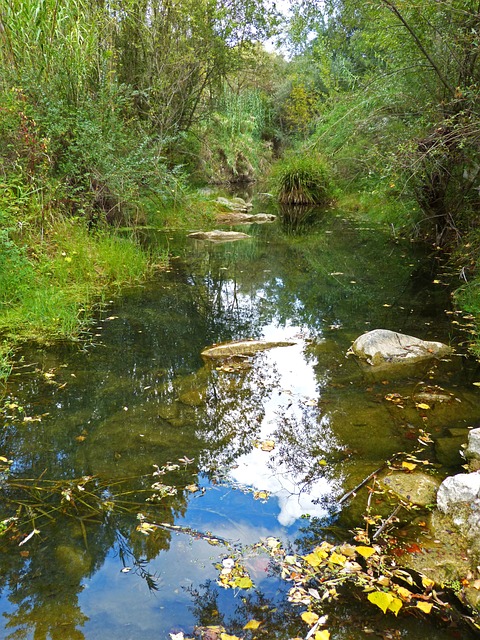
261	495
409	465
243	582
381	599
426	607
405	594
427	583
422	405
267	445
253	624
337	558
477	384
316	558
322	635
395	605
366	552
309	617
225	636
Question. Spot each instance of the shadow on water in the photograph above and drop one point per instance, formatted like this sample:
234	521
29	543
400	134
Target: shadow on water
136	422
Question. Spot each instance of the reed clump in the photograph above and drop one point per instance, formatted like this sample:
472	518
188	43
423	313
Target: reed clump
302	180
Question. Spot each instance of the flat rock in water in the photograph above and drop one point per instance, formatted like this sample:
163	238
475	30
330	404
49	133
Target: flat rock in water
381	346
241	348
245	218
417	487
234	204
218	236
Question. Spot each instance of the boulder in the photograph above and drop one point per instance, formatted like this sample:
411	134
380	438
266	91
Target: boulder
218	236
241	348
381	346
417	487
459	496
472	452
234	204
245	218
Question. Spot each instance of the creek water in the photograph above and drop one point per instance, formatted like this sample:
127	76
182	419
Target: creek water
257	448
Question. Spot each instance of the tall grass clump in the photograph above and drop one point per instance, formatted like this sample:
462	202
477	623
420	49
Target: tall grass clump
302	180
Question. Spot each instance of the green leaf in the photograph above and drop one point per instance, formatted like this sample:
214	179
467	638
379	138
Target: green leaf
243	582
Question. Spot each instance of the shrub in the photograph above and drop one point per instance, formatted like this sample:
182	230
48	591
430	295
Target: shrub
302	180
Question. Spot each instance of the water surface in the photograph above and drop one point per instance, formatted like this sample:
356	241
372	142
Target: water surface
139	394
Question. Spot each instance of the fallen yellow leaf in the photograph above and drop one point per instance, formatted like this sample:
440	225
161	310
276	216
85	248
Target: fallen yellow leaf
337	558
225	636
366	552
381	599
322	635
422	405
426	607
309	617
409	465
253	624
427	583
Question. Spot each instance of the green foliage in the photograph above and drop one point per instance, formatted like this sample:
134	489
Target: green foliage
302	179
232	148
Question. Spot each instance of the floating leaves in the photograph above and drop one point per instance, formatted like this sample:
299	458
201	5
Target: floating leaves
385	601
233	575
253	624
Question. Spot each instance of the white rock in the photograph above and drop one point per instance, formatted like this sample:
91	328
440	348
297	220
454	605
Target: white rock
473	448
382	346
459	492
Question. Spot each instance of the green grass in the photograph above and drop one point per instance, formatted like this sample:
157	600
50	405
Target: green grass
300	179
65	277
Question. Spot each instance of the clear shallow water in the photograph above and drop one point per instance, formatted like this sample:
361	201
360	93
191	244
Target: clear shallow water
141	395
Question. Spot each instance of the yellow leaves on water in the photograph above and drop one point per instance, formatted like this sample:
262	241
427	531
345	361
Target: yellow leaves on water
322	635
243	582
422	405
267	445
261	495
385	601
309	617
338	558
426	607
409	466
427	583
225	636
253	624
316	558
366	552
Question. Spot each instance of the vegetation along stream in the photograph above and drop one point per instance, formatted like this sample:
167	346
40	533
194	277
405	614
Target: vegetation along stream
143	476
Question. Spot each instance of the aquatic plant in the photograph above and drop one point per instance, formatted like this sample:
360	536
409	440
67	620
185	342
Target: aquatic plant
302	180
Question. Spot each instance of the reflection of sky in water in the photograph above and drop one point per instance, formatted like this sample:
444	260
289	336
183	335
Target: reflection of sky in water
265	471
120	606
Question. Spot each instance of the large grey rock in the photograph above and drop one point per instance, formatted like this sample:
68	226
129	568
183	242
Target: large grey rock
461	490
218	236
381	346
472	452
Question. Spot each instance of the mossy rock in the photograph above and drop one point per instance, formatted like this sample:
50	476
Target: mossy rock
416	488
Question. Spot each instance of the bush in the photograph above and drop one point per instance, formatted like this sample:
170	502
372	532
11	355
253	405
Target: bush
302	180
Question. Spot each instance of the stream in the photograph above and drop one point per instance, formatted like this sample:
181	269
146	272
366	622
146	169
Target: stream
236	452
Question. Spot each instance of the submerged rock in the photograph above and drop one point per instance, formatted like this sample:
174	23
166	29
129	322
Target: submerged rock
241	348
218	236
381	346
417	487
